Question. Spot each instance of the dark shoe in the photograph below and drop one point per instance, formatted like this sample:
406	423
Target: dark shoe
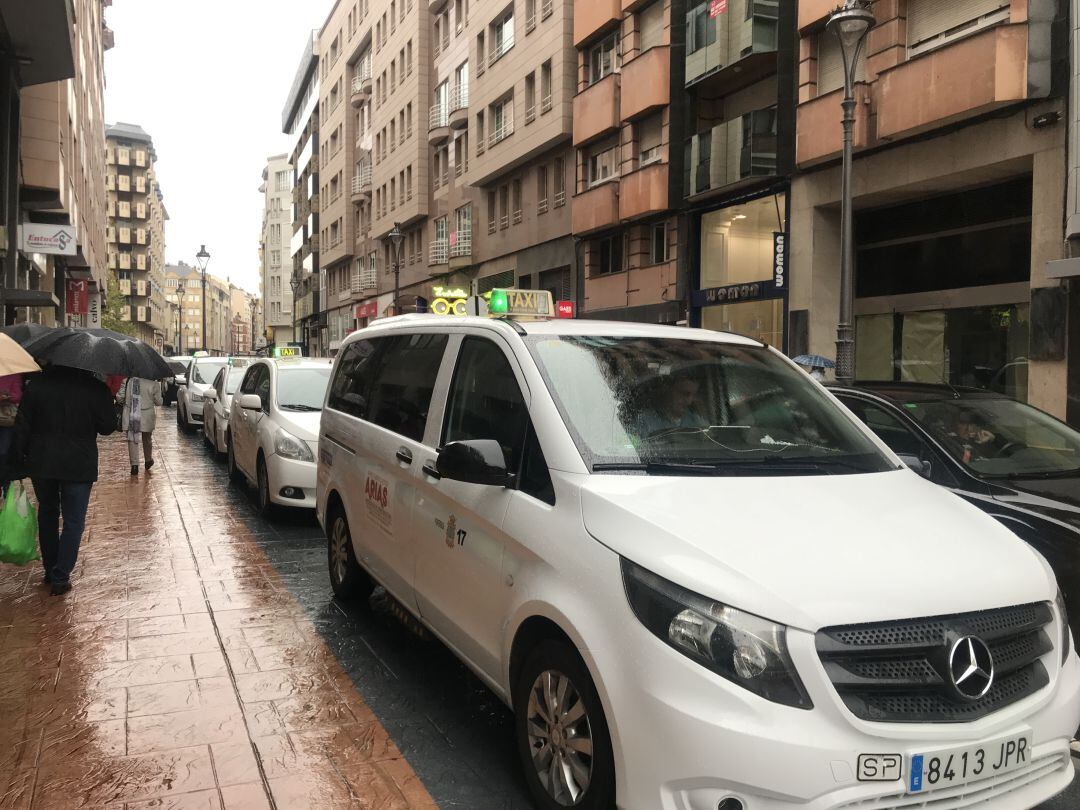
60	588
45	580
149	464
134	469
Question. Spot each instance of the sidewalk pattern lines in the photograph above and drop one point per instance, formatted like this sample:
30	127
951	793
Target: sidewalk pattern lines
179	672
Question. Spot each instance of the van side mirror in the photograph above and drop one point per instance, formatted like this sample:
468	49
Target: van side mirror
477	461
251	402
916	465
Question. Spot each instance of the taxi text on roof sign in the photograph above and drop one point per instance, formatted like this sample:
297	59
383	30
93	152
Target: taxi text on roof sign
521	304
288	351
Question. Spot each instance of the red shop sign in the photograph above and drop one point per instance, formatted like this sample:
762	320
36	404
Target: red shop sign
565	309
368	309
717	7
77	298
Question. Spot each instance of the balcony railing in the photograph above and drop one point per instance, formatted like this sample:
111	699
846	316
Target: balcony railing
500	49
736	150
364	279
530	114
502	131
459	98
546	9
438	117
439	251
463	245
361	179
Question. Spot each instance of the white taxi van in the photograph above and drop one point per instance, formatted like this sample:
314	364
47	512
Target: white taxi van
696	579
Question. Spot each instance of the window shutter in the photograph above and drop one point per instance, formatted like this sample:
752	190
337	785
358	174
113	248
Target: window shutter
831	64
651	25
930	18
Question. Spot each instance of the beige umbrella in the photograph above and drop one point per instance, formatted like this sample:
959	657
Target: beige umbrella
14	359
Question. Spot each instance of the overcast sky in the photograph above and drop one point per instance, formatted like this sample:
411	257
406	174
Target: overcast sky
208	80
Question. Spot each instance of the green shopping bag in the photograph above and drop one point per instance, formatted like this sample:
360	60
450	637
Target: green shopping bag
18	527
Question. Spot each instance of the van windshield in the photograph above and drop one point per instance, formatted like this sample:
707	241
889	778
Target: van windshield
672	405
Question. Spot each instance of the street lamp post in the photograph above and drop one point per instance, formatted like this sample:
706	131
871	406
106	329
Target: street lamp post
850	23
396	238
253	303
294	282
203	258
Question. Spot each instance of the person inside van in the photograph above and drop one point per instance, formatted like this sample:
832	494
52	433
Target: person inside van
673	404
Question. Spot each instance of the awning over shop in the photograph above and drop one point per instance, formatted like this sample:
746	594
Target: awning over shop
41	35
30	298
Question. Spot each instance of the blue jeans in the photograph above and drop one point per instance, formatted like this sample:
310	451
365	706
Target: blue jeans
60	549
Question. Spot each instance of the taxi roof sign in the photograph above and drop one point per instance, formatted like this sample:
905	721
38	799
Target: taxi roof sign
287	351
521	304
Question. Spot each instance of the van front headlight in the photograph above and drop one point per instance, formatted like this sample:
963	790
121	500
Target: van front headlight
288	446
1066	632
745	649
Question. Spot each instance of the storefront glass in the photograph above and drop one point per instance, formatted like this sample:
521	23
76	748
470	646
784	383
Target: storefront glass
738	248
981	347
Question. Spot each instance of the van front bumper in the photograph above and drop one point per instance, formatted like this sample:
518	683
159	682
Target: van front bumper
687	739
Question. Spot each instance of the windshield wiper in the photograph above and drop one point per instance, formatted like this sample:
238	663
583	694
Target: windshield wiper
656	468
1013	476
299	408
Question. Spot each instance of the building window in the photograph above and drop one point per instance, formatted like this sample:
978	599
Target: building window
491	212
659	247
602	163
609	256
517	201
649	132
502	120
504	207
530	98
700	29
502	35
545	87
603	58
541	189
560	182
931	23
650	22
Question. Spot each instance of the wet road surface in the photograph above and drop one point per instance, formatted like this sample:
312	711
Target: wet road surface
201	661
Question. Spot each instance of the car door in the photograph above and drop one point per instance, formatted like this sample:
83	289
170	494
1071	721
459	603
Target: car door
403	373
461	589
212	414
245	425
891	428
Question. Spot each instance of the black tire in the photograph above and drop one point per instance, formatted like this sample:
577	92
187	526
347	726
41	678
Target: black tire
235	475
557	658
348	580
267	508
182	420
207	441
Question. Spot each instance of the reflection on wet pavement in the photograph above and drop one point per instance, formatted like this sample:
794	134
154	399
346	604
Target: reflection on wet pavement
200	662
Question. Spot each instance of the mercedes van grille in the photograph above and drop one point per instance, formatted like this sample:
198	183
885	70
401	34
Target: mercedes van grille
898	672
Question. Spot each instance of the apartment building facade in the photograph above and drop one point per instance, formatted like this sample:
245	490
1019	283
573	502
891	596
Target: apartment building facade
274	261
52	173
184	285
300	120
958	193
629	123
136	229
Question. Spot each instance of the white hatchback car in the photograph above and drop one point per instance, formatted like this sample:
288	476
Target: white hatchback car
192	395
273	434
697	580
218	401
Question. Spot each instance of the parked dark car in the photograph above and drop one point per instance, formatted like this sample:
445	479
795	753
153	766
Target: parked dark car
1013	461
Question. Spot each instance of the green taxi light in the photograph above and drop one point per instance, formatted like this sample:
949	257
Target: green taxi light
498	305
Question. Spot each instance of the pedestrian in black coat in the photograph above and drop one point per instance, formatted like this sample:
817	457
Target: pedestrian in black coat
62	413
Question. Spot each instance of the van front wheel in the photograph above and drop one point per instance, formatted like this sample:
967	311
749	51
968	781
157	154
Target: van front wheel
562	734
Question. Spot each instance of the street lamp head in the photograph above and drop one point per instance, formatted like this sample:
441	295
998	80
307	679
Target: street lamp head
396	237
203	258
851	23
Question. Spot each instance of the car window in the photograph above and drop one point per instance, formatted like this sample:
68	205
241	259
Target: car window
485	401
251	379
887	426
355	372
203	373
400	394
535	478
219	382
303	388
262	387
232	381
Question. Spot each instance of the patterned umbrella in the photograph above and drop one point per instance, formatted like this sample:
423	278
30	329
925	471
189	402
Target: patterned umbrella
813	361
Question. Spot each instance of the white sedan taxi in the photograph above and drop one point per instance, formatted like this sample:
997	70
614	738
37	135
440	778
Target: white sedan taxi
633	535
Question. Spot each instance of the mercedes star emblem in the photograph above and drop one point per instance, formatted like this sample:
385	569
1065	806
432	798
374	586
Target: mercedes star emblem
971	667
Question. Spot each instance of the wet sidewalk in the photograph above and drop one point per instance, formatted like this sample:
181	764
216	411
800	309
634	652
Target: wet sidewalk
179	672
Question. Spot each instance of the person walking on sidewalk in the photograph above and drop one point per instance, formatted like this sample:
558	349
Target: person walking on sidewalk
140	397
62	413
11	391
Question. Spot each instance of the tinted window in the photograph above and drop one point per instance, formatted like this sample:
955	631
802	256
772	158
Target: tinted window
302	389
251	380
485	401
400	394
535	479
219	382
356	370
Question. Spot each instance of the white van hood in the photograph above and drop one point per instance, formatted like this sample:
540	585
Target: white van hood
813	552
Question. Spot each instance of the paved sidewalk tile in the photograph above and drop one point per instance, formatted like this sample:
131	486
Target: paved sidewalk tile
179	672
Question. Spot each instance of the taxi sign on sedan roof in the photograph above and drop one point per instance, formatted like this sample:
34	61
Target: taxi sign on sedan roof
521	304
288	351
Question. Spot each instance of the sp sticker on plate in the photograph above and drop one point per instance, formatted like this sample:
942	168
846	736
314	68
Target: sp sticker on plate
880	767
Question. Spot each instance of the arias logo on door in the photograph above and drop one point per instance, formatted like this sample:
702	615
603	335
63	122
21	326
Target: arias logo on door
377	497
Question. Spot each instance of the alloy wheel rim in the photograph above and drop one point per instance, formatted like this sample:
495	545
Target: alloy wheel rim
338	552
560	737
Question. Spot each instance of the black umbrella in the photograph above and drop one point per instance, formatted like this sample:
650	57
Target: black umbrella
104	352
179	369
34	336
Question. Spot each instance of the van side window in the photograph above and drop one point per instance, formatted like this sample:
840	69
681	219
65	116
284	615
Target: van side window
485	402
400	395
356	370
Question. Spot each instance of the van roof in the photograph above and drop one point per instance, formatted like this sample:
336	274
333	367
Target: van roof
554	327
